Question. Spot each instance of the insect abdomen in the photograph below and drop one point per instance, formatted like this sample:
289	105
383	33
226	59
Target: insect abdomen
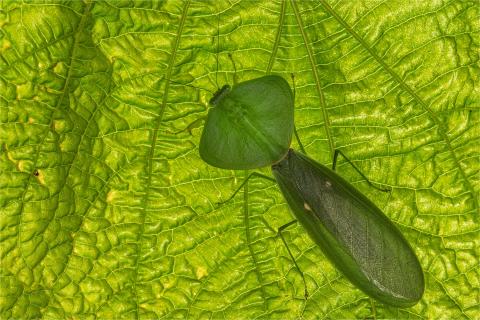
354	234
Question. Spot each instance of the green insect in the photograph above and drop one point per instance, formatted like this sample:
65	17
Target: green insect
250	126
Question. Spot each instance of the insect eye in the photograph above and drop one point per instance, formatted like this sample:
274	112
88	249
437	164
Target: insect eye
219	94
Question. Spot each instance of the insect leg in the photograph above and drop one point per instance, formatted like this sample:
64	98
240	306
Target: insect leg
335	157
279	232
294	88
234	68
294	126
298	140
218	41
253	174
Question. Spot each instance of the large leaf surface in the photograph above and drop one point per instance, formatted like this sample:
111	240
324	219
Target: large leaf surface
108	211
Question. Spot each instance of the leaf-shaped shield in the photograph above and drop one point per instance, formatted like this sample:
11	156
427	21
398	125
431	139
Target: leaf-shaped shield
250	125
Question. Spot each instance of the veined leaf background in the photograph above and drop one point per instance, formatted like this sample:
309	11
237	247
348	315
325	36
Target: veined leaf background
107	210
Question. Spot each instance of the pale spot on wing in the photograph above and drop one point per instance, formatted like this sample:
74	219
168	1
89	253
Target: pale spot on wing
307	207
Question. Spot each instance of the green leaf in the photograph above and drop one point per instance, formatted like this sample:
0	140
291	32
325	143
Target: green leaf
107	210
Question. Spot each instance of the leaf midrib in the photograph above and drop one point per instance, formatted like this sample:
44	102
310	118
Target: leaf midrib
158	121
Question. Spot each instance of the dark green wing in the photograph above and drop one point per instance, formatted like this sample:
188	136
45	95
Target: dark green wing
249	127
352	232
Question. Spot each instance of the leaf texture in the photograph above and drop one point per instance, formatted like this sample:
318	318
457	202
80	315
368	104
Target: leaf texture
108	211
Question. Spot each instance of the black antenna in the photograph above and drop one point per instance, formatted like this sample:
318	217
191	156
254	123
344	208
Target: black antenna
191	86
